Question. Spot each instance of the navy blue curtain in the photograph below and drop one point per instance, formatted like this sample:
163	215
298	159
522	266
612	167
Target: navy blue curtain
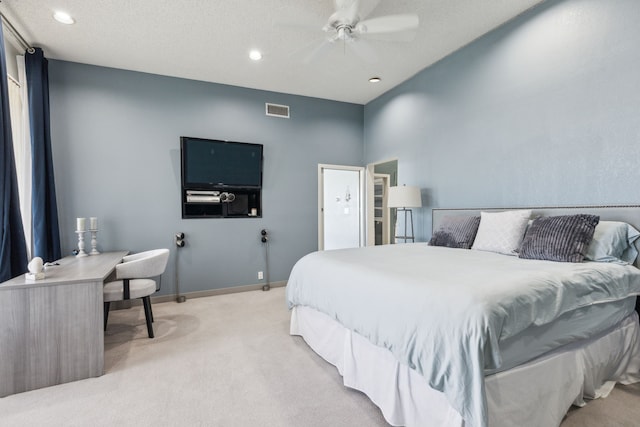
13	249
44	209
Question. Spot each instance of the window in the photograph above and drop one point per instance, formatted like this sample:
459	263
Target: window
19	112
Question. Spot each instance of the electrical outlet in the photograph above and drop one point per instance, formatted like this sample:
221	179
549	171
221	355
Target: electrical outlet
260	275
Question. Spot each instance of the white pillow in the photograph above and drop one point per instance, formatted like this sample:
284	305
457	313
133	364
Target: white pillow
501	232
613	242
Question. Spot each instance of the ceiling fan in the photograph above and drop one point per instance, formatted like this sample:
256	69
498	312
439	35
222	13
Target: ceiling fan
349	26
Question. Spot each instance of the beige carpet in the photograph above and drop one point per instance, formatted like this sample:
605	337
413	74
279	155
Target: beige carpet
227	361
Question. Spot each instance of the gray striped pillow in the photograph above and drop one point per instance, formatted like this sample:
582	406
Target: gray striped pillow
562	238
456	232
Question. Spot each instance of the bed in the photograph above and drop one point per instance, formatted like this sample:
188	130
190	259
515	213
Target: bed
444	336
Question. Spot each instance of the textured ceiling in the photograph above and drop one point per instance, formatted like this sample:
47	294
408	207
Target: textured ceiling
209	40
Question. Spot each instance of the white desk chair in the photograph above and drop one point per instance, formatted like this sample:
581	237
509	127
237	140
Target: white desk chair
133	281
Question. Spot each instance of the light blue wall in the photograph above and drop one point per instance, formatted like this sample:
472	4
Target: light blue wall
543	111
116	150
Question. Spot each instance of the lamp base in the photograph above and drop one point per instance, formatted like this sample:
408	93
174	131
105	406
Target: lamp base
406	235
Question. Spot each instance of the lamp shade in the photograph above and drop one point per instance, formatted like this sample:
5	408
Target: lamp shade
404	197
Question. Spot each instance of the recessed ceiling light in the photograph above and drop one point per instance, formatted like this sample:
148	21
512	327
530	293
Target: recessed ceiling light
374	79
63	18
255	55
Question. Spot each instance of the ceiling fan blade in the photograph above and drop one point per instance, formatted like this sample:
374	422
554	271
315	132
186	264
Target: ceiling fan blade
318	52
363	50
395	37
352	11
309	50
388	24
346	11
366	7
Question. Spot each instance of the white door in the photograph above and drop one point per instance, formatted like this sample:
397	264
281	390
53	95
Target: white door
340	207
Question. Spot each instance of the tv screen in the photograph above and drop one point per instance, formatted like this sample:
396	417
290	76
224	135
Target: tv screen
209	163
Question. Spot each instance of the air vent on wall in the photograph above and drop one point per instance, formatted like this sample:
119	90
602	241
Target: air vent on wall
276	110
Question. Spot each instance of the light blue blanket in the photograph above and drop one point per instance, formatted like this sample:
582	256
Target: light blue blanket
443	311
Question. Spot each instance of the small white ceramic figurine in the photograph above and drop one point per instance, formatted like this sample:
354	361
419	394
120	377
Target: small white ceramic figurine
36	267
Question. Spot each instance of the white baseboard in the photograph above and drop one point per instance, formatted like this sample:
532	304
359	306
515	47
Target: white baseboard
117	305
214	292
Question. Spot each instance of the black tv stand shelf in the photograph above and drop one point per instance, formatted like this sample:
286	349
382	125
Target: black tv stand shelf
222	203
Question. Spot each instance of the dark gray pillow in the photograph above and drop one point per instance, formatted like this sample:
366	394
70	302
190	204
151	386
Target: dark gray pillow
563	238
456	232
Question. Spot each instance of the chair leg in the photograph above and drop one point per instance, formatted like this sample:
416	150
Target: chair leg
150	309
106	314
146	301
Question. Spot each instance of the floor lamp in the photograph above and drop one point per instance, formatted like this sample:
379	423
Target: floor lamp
404	198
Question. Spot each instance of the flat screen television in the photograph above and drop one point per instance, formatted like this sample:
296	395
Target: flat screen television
211	163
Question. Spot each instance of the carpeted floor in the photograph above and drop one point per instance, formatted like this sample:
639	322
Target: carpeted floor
227	361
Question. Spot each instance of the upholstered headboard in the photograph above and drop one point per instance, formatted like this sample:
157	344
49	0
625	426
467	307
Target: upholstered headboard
628	214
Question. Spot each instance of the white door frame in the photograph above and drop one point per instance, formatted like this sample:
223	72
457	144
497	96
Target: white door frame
386	178
371	232
361	204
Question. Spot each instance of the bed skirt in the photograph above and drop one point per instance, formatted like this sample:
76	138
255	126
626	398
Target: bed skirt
585	370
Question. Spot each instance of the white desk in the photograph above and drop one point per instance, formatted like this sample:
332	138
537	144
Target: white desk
51	330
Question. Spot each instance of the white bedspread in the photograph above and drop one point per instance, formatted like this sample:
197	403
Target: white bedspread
443	311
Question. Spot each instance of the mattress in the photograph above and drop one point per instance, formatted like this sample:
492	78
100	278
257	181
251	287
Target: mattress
581	323
453	315
568	375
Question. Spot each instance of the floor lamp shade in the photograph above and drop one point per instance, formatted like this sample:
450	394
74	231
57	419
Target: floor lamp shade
404	197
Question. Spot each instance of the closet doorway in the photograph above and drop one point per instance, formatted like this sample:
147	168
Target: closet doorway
381	221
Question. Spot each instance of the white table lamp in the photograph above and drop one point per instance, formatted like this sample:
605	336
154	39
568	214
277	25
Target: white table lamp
404	198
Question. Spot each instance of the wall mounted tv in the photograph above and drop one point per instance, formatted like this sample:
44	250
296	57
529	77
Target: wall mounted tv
215	164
